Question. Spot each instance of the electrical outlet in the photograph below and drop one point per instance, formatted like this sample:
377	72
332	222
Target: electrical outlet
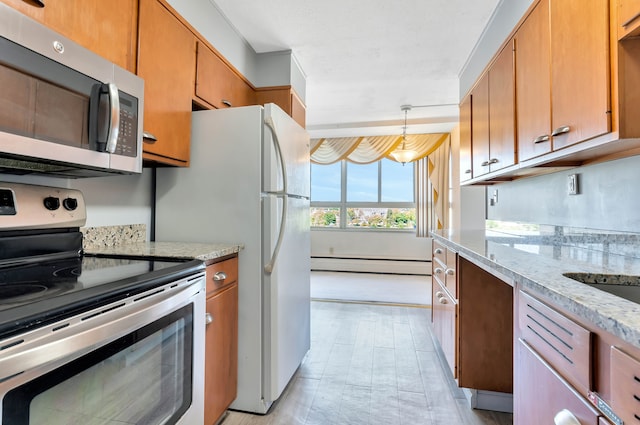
572	184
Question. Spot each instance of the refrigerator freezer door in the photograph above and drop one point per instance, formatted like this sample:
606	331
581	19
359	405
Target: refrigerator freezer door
294	144
286	323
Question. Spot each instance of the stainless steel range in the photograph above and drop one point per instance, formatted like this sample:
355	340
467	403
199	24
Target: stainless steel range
88	339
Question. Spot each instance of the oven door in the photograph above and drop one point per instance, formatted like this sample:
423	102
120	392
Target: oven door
136	361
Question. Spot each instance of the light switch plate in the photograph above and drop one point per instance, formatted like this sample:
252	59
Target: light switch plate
572	184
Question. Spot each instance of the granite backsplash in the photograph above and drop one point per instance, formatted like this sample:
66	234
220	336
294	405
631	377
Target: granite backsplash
107	236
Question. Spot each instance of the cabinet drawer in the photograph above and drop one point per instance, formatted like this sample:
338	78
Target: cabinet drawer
625	386
443	317
221	274
542	393
564	344
444	267
440	252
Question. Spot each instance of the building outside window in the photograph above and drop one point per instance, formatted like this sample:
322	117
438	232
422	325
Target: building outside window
379	195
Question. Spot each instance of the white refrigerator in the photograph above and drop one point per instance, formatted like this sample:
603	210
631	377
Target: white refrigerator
249	183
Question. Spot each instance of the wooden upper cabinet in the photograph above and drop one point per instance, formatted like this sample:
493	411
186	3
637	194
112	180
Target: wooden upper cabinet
217	84
580	70
286	98
166	61
480	126
465	139
628	18
493	117
502	114
108	30
533	84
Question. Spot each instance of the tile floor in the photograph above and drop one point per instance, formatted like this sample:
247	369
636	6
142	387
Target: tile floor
371	364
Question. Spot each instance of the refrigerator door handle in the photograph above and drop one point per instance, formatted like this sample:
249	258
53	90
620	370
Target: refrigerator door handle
268	268
268	121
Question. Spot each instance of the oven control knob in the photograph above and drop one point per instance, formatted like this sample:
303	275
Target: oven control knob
51	203
70	204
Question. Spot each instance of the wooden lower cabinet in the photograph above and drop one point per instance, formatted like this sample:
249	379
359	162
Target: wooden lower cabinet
472	319
485	330
541	393
443	319
221	339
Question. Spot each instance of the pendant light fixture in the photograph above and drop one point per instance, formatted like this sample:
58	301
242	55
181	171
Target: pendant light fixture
404	155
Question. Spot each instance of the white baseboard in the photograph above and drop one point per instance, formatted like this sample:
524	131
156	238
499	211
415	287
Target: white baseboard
489	400
371	265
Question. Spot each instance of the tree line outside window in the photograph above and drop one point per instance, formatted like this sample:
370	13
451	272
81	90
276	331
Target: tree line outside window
379	195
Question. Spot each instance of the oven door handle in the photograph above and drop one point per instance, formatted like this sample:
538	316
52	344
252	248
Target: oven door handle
84	333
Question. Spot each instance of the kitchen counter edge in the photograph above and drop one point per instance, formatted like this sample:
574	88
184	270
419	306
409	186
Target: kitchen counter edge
206	252
613	314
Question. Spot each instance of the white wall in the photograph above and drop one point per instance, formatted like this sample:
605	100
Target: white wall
372	249
267	69
507	14
111	200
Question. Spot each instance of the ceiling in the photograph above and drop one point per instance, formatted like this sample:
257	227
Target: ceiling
363	59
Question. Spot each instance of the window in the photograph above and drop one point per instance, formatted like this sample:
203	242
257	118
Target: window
379	195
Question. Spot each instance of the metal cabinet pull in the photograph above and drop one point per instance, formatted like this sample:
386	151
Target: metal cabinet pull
36	3
561	130
437	251
565	417
208	319
541	139
450	272
219	276
439	295
493	161
485	163
149	138
226	102
443	300
438	270
467	171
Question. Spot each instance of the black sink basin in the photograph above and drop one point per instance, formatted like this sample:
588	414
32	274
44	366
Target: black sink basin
623	286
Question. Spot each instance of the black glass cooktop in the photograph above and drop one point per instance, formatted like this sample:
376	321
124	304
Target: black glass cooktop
37	293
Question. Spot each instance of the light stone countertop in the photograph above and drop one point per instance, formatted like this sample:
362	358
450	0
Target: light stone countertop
187	250
538	261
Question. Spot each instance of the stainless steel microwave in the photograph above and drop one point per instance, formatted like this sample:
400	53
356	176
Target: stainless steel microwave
64	110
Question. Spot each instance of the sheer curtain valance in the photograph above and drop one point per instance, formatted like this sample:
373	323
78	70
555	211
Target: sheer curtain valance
365	150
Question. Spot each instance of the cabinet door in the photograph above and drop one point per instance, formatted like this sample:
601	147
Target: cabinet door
166	61
628	17
110	31
625	386
480	126
217	84
221	353
443	318
485	330
540	393
533	85
579	70
465	139
502	114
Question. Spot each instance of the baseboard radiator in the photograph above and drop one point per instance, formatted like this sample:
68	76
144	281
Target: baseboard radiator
371	265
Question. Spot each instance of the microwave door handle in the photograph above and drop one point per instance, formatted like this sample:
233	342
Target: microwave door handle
114	122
